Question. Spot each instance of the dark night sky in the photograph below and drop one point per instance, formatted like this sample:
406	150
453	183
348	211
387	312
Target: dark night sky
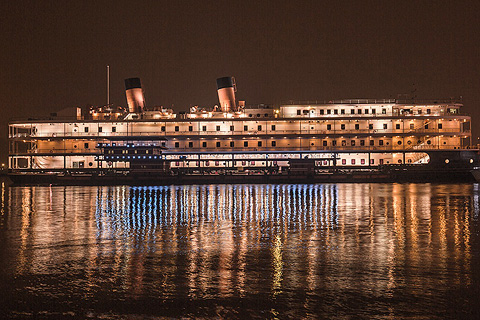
53	53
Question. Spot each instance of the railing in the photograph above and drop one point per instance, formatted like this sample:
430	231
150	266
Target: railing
335	131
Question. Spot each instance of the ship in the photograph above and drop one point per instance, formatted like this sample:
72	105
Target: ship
353	140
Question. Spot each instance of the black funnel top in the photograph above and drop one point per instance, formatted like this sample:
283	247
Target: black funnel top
225	82
132	83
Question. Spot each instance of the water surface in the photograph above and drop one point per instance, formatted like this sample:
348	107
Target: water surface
341	251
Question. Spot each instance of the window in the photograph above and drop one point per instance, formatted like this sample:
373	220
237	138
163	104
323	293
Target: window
342	111
232	128
190	144
177	128
426	126
344	143
86	129
177	144
204	128
370	126
419	111
385	126
232	144
329	127
352	143
353	161
190	128
329	111
372	161
362	161
259	143
245	143
100	129
322	112
359	111
324	143
335	111
114	129
429	111
274	143
299	112
218	144
342	126
366	111
334	143
245	128
412	126
204	144
362	142
357	126
218	128
259	128
352	111
397	126
440	126
305	111
384	111
162	128
344	161
380	142
273	127
374	111
86	145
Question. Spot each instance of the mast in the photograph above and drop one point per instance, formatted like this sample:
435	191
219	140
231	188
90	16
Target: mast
108	85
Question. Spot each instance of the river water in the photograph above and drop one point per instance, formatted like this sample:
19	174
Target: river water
337	251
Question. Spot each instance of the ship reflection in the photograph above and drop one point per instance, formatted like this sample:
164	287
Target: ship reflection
234	240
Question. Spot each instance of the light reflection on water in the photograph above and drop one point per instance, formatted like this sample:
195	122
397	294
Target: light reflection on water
368	250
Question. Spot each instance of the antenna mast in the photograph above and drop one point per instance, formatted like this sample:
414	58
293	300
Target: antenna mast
108	85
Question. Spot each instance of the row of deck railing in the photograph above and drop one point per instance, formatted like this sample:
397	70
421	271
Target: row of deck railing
240	133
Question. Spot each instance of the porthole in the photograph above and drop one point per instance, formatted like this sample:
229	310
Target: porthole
409	142
91	163
471	160
399	142
429	142
447	161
